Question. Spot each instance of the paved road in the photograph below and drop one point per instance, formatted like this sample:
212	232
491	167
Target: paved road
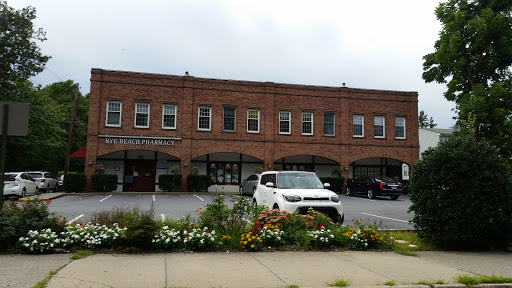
392	213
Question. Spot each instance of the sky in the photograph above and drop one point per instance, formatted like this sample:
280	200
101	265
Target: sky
369	44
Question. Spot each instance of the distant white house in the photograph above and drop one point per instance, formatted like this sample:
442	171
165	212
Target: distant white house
431	137
428	137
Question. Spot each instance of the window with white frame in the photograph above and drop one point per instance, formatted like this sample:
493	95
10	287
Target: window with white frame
329	124
229	119
253	121
169	117
400	127
285	122
358	125
307	123
204	117
379	124
141	115
113	114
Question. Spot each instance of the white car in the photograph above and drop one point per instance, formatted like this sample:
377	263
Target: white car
44	180
297	191
19	184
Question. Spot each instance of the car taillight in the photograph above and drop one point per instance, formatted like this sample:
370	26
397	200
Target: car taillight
402	185
16	183
42	180
381	185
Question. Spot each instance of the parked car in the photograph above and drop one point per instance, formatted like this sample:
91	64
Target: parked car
44	180
60	182
375	186
297	191
19	184
248	186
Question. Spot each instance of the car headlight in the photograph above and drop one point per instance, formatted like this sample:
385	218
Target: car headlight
292	198
335	198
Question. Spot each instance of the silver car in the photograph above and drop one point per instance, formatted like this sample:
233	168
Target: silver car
248	186
44	180
19	184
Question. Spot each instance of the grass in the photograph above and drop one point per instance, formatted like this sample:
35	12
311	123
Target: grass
80	254
469	281
390	283
405	252
412	238
292	286
339	283
431	283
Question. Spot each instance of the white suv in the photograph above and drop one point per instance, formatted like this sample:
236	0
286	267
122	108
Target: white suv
297	191
44	180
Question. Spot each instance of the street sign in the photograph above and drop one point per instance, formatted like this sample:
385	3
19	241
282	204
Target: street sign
18	118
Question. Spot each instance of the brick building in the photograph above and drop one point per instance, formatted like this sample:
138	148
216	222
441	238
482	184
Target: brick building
143	125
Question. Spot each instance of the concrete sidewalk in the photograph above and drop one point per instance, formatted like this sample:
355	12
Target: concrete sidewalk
274	269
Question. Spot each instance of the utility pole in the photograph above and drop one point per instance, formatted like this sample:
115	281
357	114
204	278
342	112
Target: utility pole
70	136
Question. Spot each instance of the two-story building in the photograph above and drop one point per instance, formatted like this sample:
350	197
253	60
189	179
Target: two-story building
144	125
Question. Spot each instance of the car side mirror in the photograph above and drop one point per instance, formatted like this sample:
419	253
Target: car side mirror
327	185
270	185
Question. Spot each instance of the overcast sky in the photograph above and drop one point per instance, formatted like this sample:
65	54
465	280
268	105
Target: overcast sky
371	44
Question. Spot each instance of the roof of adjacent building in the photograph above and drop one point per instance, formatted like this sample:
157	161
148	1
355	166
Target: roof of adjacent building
443	132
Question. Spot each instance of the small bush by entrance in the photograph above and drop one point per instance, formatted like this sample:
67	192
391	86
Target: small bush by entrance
198	183
169	183
104	182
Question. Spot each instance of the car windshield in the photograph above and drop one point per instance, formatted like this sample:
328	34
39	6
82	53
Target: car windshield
9	177
35	175
298	181
384	179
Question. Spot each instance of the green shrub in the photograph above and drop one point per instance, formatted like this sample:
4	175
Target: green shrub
169	183
198	183
104	182
16	220
140	233
461	195
74	182
336	183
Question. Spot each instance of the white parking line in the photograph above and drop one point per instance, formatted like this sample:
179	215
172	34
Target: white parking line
76	218
105	198
153	198
385	217
199	197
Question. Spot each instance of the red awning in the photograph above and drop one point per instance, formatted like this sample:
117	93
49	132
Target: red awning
80	153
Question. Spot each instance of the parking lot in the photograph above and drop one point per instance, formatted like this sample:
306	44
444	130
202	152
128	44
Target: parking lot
392	213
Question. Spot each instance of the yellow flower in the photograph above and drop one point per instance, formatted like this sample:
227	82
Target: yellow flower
249	239
253	237
245	242
260	240
252	246
241	242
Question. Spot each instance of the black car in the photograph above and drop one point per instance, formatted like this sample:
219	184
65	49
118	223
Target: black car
375	186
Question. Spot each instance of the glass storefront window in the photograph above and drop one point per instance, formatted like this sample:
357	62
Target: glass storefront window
225	173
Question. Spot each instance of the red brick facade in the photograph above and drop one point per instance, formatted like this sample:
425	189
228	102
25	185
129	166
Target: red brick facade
188	93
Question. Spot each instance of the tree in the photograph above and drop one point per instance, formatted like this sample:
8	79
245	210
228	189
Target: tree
20	57
474	56
457	203
424	122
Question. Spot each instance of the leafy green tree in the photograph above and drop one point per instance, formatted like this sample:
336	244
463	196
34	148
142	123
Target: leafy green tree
474	56
461	194
424	122
20	57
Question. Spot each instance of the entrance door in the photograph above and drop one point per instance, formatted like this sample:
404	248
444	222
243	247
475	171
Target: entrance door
141	174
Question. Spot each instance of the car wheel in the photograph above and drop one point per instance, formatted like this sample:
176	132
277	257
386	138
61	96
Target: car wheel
23	193
393	197
339	219
370	194
241	190
253	190
275	206
254	202
347	191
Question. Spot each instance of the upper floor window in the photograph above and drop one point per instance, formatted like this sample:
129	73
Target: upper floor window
169	117
358	125
204	117
284	122
329	124
229	119
400	127
378	122
113	114
141	115
253	121
307	123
